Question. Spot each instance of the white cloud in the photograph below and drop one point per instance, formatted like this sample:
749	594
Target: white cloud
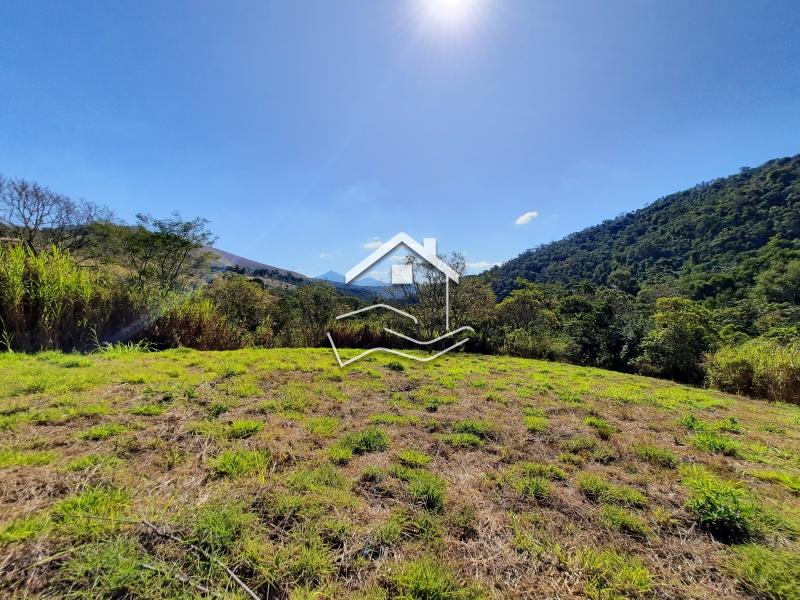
527	217
326	255
372	243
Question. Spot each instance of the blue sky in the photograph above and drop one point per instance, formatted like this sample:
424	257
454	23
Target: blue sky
305	129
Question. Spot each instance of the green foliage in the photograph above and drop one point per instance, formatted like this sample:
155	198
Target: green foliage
12	457
533	469
722	507
529	486
535	423
218	527
789	481
761	368
481	429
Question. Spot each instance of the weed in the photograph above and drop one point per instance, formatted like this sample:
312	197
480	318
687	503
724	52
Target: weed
391	419
10	457
729	425
533	487
625	522
92	460
94	511
424	579
614	576
218	527
413	458
721	507
716	443
532	469
339	455
395	366
603	428
535	423
102	432
244	428
767	573
237	463
580	443
598	489
218	408
791	482
655	455
481	429
463	440
692	423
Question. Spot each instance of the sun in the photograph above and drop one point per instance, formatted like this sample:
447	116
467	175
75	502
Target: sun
453	16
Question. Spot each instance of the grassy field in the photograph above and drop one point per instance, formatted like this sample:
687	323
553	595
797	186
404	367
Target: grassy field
129	474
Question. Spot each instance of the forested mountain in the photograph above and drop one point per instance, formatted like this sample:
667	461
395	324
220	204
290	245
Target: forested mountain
716	241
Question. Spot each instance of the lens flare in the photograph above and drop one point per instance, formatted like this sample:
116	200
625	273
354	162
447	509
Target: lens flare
453	16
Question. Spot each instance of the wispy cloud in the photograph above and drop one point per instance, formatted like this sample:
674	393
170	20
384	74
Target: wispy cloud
372	243
327	255
527	217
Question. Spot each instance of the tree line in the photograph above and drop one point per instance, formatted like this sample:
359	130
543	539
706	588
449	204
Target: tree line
73	277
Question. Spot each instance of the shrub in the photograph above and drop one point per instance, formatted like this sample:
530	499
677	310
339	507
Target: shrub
655	455
761	368
721	507
195	321
598	489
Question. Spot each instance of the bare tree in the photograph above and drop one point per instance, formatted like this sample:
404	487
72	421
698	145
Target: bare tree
39	216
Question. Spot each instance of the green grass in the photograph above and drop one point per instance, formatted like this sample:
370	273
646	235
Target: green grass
765	572
102	432
244	428
723	508
12	457
614	576
625	522
426	579
656	456
602	427
716	443
601	490
463	440
515	511
237	463
413	458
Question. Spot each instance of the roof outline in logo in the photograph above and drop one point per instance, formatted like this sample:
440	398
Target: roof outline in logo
426	251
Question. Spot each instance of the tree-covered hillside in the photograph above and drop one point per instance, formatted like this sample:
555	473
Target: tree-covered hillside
710	241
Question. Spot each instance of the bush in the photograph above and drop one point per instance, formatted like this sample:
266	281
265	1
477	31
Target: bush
195	321
760	368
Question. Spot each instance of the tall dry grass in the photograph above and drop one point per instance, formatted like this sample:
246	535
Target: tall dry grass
761	368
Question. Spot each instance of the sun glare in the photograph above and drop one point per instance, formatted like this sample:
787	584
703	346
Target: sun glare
452	16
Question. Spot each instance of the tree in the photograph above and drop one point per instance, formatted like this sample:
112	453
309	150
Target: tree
40	217
162	253
529	324
682	333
